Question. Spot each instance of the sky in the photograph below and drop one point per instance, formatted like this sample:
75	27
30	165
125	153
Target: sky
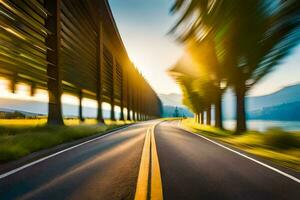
144	24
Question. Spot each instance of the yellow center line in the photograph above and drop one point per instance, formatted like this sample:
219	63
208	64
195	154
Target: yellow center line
156	185
142	187
142	182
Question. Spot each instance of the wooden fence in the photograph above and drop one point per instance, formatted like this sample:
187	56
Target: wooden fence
72	46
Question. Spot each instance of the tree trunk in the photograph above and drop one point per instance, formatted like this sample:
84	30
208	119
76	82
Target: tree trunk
122	114
112	112
54	73
218	113
128	113
202	117
240	110
208	115
99	113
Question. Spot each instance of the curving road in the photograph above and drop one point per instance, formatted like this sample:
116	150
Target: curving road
191	167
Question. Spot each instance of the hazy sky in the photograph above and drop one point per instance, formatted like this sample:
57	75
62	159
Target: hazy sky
143	25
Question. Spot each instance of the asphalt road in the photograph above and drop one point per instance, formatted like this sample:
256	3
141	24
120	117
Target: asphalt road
103	169
194	168
108	168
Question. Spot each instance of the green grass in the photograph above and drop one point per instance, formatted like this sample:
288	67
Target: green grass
42	121
275	144
19	140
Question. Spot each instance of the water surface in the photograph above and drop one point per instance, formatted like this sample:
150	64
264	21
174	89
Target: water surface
262	125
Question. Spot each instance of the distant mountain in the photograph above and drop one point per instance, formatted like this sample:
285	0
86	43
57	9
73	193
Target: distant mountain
282	112
171	99
26	114
37	107
24	105
287	94
278	99
168	111
170	102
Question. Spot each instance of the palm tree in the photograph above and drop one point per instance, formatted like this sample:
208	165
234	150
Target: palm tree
252	37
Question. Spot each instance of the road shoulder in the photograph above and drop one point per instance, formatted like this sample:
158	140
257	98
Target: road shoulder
268	162
6	167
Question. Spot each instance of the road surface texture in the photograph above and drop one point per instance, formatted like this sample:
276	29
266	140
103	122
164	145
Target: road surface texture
108	168
194	168
103	169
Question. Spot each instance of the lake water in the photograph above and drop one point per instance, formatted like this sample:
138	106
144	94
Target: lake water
262	125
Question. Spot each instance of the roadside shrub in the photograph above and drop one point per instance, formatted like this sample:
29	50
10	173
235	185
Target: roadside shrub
277	138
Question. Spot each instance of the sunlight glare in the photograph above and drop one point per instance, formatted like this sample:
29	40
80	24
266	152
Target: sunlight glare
69	99
22	90
41	95
106	106
131	114
117	109
4	83
89	103
23	93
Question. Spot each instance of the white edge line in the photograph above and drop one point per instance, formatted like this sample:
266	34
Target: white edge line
55	154
245	156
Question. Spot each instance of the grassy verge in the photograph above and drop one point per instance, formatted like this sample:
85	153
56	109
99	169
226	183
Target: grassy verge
276	145
18	140
42	121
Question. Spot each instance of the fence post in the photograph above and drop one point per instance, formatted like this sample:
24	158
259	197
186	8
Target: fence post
54	69
99	57
112	97
133	94
122	95
13	82
128	96
137	103
80	106
32	89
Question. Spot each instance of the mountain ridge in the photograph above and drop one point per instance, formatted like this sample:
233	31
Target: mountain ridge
285	95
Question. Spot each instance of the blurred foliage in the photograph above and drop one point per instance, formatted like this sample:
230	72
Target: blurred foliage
234	42
276	137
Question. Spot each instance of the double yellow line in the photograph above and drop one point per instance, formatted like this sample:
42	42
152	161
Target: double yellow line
149	167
